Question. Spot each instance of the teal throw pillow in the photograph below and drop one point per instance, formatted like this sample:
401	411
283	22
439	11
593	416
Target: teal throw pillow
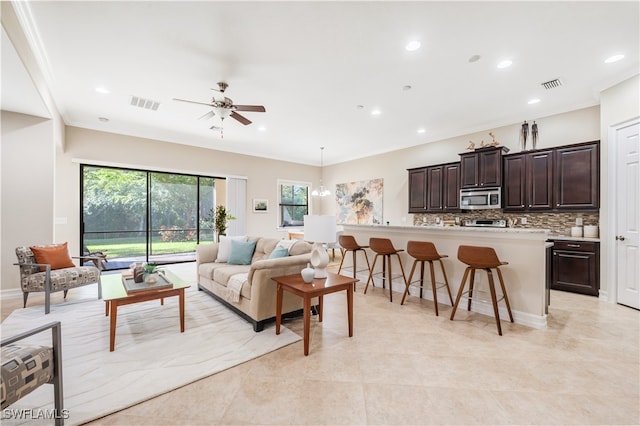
241	252
279	252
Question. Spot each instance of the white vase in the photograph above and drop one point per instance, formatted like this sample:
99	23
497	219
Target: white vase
308	274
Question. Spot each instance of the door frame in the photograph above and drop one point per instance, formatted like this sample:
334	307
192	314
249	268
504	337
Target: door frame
612	213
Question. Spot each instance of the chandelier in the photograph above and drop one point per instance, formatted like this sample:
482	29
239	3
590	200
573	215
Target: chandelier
322	191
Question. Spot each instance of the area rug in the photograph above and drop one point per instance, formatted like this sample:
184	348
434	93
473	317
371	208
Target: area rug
151	356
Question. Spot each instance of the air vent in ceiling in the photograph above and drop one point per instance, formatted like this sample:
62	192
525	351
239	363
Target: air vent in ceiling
552	84
144	103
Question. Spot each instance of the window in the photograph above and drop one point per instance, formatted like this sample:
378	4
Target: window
144	216
293	203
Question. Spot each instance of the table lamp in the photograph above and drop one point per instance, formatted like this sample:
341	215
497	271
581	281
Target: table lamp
320	230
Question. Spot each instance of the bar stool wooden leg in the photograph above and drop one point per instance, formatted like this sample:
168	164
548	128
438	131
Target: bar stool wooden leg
433	285
460	291
390	279
504	293
471	282
446	281
370	279
421	277
408	283
494	301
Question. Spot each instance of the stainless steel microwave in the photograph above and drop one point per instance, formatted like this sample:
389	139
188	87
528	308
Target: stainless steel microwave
478	199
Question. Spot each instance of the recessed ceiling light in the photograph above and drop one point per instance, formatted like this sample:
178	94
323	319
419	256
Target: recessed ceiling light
474	58
614	58
103	119
406	87
376	112
422	130
102	90
359	106
533	101
413	45
504	63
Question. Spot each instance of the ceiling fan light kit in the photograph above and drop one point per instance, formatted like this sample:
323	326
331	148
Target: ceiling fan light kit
225	107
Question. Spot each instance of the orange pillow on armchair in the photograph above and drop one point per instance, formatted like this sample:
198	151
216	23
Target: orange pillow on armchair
56	255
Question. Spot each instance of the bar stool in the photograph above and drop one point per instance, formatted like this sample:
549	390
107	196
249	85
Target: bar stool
482	258
348	243
424	251
384	247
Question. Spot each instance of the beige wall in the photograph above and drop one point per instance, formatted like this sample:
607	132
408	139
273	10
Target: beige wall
27	197
572	127
103	148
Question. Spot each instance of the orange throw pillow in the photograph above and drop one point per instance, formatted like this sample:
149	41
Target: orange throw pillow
57	256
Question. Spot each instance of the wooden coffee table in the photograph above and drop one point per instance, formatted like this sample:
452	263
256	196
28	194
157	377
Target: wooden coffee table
318	288
114	295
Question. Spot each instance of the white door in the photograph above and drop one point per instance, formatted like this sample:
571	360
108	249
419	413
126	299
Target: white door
628	215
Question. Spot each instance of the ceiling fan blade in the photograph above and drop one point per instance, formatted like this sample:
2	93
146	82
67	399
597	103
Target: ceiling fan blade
253	108
192	102
207	115
240	118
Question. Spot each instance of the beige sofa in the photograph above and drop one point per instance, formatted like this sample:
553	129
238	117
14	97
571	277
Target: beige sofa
257	301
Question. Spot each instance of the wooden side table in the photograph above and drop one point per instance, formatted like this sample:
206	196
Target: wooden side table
318	288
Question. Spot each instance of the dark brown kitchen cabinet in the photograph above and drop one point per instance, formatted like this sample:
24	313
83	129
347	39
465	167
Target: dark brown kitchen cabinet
435	181
418	190
443	187
576	267
434	188
481	168
577	177
528	179
451	188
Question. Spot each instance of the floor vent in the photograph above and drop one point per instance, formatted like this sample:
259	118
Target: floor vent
552	84
144	103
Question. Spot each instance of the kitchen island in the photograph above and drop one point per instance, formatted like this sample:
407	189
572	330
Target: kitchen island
524	276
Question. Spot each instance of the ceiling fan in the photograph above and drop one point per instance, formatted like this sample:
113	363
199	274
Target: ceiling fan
224	107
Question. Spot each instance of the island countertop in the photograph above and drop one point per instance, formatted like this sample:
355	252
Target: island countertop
523	248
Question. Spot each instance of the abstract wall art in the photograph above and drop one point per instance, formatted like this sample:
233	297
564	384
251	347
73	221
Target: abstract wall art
360	202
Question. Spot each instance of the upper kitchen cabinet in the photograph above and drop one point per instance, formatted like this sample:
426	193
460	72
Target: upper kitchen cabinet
443	187
434	188
528	179
577	177
451	187
418	190
482	168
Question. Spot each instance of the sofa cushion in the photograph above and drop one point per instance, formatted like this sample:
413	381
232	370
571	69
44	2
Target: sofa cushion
241	252
55	255
264	247
224	248
300	247
61	279
222	275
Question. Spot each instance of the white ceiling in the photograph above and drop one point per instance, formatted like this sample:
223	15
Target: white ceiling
312	63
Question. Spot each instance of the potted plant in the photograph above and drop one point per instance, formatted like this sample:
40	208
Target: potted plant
220	218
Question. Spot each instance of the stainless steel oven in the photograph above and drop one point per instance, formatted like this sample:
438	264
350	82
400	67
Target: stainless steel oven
478	199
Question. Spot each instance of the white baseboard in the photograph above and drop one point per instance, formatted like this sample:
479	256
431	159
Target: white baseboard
11	293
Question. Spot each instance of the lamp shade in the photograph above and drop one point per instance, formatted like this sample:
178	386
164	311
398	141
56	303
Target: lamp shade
320	228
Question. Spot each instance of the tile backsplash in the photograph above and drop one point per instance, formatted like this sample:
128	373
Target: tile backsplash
558	223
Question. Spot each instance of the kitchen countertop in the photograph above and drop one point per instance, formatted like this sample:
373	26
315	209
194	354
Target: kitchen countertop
549	235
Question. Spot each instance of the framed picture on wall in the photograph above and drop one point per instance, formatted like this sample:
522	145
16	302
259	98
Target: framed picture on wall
260	205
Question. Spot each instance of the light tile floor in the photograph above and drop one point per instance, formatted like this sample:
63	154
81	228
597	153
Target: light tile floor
404	365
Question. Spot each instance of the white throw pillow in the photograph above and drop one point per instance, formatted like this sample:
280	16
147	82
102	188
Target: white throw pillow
287	244
224	249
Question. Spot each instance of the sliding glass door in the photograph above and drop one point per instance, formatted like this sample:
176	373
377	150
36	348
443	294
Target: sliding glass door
142	216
